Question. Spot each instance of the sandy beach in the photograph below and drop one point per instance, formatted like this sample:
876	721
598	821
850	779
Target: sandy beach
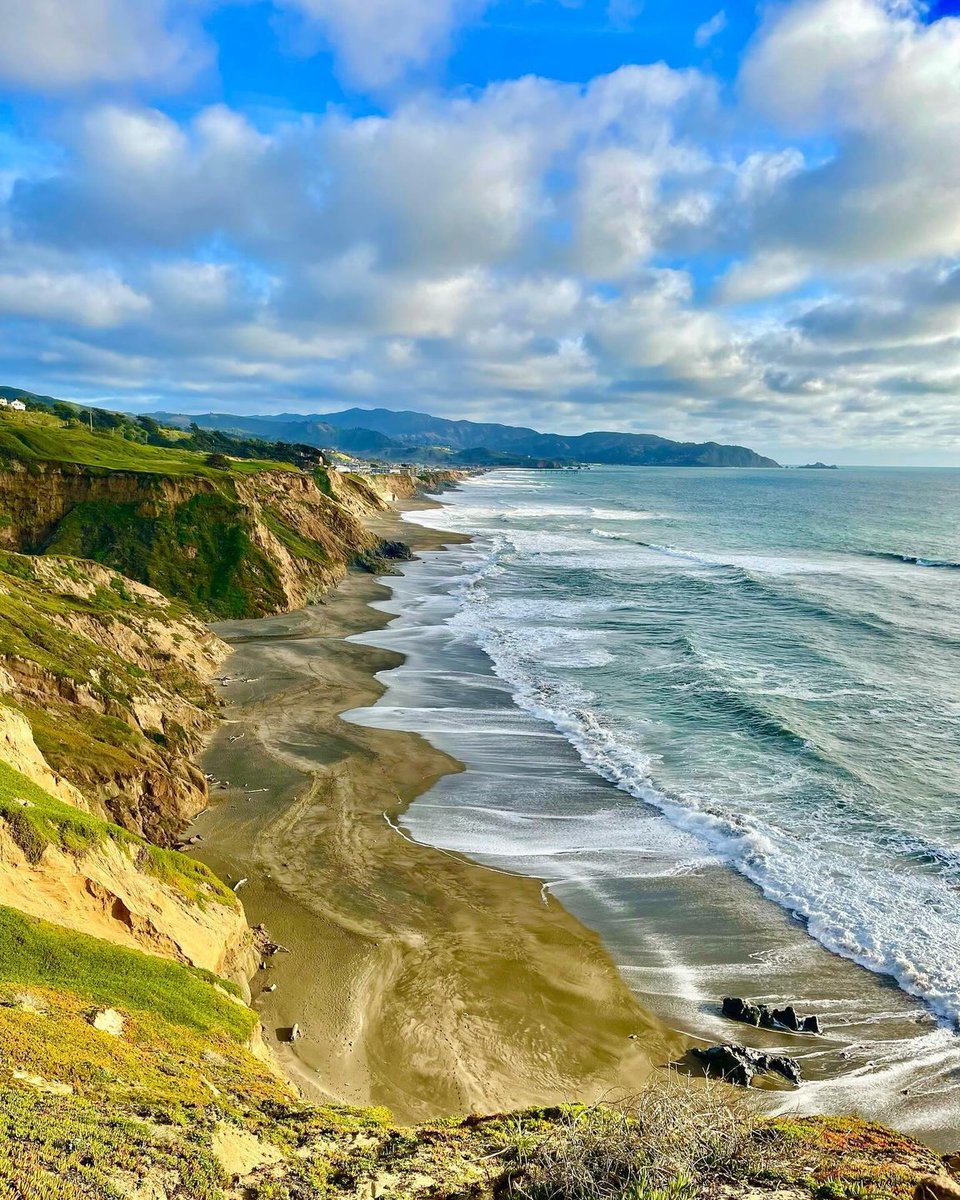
420	981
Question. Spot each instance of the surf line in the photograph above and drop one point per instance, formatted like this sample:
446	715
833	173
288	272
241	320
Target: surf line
462	857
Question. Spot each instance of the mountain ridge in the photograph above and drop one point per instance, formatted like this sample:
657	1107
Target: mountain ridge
393	434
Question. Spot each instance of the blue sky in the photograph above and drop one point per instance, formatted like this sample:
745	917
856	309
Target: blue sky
728	221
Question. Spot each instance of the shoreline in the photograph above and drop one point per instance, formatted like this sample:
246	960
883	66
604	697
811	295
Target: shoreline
682	941
421	981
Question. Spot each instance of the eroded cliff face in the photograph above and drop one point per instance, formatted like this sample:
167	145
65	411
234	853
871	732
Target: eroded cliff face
107	893
20	751
106	687
239	545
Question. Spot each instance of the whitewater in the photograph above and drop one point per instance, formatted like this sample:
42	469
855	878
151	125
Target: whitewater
753	670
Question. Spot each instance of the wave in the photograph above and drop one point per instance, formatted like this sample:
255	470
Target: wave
819	882
865	882
773	584
943	564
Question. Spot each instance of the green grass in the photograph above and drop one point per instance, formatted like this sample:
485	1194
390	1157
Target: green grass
37	437
46	821
200	551
34	953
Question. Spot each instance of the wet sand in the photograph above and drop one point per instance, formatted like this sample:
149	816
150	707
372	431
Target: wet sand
420	980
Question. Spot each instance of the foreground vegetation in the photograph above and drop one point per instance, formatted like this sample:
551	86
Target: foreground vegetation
177	1105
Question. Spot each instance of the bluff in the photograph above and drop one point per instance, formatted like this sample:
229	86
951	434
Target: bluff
242	541
112	682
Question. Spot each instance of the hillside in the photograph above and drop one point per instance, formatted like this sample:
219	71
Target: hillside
412	428
239	539
112	681
398	435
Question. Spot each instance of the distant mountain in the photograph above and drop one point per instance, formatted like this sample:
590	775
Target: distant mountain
383	433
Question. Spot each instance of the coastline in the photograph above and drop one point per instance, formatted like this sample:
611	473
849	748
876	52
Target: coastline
420	980
681	940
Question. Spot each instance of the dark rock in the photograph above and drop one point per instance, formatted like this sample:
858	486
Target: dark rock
740	1010
732	1063
787	1017
783	1065
738	1064
760	1015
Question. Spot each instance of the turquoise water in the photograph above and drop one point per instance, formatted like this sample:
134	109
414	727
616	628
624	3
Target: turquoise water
765	665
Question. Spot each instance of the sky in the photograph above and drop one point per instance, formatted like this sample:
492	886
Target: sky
720	220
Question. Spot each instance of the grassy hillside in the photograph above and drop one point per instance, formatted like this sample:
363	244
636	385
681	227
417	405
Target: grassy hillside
112	681
175	1105
230	536
201	550
37	437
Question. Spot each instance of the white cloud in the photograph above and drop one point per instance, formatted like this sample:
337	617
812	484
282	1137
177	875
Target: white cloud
61	44
706	32
97	300
377	42
761	277
884	86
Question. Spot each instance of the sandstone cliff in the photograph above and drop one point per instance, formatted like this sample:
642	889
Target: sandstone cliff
109	892
230	544
106	687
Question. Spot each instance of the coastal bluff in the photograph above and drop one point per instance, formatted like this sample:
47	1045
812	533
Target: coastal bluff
132	1066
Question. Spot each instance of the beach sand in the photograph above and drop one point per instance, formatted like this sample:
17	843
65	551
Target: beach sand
420	981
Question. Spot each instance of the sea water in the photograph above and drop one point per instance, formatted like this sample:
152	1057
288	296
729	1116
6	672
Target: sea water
661	677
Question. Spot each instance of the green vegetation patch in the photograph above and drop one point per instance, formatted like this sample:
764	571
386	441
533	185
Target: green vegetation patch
38	820
37	437
836	1158
200	551
36	954
57	1149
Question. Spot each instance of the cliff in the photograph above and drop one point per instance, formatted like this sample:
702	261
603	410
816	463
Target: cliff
106	689
86	874
238	541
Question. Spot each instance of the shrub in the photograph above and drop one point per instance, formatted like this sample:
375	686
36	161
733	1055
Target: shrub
650	1148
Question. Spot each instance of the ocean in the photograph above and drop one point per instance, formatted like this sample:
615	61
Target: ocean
717	712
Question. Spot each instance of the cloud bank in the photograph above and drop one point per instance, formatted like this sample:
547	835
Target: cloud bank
771	261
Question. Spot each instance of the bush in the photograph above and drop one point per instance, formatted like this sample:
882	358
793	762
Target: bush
219	461
651	1148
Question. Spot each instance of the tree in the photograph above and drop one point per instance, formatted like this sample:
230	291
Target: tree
219	461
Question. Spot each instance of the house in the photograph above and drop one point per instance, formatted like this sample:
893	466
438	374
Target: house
3	402
18	406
